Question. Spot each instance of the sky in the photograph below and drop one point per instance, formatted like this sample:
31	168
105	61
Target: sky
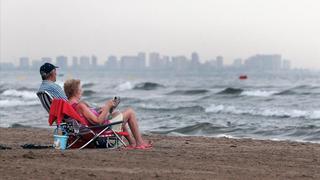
231	28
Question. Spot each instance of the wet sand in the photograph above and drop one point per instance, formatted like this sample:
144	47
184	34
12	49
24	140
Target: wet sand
170	158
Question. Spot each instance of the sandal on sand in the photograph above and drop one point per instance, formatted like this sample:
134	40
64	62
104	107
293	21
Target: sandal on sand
129	147
144	147
148	144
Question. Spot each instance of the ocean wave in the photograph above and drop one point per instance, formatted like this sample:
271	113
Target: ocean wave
231	91
263	93
189	92
140	86
195	129
301	133
2	90
87	85
125	86
292	92
258	93
11	103
226	136
286	92
17	125
3	86
88	92
304	87
190	109
300	90
280	113
298	133
242	92
148	86
126	100
27	89
203	128
22	94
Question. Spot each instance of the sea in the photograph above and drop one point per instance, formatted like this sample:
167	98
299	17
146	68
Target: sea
273	106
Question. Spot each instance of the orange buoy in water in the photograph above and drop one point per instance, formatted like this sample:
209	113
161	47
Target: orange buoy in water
243	77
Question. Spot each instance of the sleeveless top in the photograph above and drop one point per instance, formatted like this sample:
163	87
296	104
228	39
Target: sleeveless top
94	111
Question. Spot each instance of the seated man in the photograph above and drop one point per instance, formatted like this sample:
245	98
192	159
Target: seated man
49	76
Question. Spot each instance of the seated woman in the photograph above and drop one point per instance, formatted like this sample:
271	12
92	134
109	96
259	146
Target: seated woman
73	91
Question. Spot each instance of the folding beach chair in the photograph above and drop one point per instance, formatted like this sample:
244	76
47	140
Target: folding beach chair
81	133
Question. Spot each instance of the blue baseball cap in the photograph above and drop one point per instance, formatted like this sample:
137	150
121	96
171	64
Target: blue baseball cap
46	68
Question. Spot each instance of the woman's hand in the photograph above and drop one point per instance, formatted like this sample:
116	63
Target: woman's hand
109	104
99	110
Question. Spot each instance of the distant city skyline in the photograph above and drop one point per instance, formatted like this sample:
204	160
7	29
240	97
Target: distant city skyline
157	62
229	28
101	60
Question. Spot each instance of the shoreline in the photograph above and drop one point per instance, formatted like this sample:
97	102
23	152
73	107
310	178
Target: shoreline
172	157
17	125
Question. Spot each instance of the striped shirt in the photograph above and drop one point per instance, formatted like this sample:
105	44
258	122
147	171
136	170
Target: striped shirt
53	89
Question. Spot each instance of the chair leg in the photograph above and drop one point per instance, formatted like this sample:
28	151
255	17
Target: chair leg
119	138
73	142
97	135
107	143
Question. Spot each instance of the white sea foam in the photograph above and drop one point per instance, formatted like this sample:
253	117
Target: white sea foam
11	103
125	86
161	107
222	109
225	136
151	106
258	93
23	94
315	115
264	112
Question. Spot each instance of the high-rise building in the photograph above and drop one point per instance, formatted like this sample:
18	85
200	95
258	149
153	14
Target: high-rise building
6	66
211	63
141	61
237	63
264	62
84	62
219	61
128	62
112	63
75	62
195	61
62	62
286	65
165	60
36	64
276	62
24	63
94	61
133	62
179	63
154	60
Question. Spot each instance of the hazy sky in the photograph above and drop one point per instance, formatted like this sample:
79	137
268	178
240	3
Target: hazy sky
232	28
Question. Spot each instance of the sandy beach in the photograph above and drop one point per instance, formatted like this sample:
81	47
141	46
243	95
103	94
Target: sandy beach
170	158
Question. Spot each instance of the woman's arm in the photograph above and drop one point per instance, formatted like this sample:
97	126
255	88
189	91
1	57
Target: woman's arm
85	110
